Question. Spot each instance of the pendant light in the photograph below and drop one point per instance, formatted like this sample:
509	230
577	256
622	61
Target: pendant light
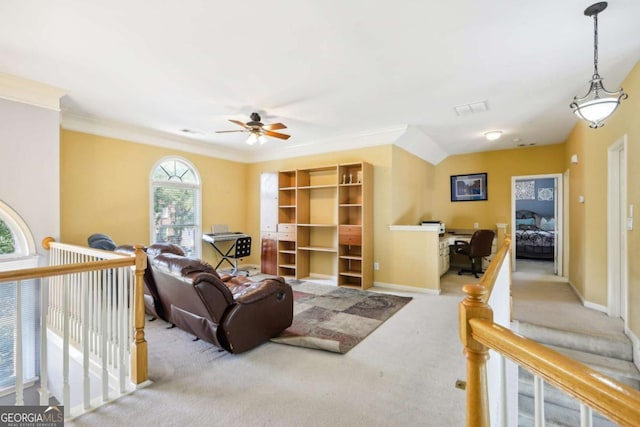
598	104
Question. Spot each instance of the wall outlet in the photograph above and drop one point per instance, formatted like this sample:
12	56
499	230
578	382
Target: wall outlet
376	266
475	225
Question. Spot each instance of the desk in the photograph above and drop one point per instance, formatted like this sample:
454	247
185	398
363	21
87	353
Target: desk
234	251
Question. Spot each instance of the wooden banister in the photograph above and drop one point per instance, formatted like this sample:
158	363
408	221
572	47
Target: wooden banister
611	398
488	279
479	333
139	353
58	270
139	370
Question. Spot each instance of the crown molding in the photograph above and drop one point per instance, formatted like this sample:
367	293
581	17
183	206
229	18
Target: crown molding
407	137
146	136
30	92
319	146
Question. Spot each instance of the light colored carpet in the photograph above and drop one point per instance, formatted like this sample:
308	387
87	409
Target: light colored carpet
548	300
402	374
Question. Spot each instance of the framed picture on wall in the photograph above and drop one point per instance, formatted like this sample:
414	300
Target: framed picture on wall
468	188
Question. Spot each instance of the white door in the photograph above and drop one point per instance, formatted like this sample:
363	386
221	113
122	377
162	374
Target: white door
617	268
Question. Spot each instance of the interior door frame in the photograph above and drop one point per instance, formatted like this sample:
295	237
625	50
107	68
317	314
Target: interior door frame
558	202
617	251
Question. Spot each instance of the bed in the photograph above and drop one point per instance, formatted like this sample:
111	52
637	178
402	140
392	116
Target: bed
535	235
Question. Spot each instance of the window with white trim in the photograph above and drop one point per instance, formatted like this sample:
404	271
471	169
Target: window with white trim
175	205
17	250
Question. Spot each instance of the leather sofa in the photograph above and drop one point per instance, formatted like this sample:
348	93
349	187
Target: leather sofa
233	313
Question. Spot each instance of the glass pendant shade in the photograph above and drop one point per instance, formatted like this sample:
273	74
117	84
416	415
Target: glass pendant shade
598	104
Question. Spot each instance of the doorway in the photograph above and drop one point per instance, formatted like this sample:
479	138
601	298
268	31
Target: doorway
617	268
537	223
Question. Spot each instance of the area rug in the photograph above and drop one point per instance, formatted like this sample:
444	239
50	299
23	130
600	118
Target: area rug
336	319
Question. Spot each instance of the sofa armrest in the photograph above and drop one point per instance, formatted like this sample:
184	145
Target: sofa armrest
214	294
261	311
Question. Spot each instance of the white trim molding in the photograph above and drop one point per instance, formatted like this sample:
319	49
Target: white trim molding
405	288
635	344
30	92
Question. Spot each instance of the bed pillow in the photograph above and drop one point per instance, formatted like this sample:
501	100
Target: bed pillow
525	221
548	224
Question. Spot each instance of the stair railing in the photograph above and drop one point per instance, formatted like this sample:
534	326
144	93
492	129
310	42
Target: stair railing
92	301
479	334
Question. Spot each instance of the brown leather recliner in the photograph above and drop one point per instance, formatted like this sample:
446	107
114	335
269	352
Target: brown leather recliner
233	313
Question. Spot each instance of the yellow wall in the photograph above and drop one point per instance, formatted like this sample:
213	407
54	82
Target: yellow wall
413	183
105	188
588	241
500	166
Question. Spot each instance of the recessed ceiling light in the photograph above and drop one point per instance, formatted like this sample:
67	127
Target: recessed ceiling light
493	135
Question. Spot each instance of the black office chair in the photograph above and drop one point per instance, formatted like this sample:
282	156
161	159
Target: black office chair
479	246
242	249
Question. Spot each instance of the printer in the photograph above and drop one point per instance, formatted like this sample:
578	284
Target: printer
440	226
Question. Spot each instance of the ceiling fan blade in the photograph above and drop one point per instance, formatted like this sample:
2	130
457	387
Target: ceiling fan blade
274	126
227	131
276	134
239	123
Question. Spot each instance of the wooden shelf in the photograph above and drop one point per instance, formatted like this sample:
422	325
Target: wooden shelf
293	252
351	257
350	205
312	187
291	266
318	248
351	273
317	225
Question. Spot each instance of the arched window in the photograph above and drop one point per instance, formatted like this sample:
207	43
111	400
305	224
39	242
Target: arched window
17	250
175	204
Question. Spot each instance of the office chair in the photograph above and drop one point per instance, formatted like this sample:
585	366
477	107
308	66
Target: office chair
101	241
242	249
479	246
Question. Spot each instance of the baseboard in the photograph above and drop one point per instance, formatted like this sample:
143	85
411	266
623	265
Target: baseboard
405	288
594	306
587	304
635	343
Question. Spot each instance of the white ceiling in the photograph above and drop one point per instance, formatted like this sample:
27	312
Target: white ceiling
337	73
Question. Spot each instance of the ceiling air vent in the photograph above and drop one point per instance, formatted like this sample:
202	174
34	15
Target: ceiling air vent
466	109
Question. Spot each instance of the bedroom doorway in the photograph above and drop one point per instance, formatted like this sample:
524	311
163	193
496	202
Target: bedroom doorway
537	218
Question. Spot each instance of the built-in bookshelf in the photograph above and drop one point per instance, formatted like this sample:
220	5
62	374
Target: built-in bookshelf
355	215
325	224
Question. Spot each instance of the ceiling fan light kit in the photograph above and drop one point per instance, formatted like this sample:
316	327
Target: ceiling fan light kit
598	104
257	130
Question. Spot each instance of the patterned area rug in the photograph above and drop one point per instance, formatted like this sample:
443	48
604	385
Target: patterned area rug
336	319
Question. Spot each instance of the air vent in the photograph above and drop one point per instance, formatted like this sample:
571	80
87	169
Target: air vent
466	109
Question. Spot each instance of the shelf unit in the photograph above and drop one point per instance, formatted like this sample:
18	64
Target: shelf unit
325	224
355	218
287	212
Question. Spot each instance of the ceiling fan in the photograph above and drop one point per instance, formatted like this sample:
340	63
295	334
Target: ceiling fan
258	130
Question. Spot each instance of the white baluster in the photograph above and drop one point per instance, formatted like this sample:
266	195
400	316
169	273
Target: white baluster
103	337
122	333
538	401
586	416
66	399
44	304
85	346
